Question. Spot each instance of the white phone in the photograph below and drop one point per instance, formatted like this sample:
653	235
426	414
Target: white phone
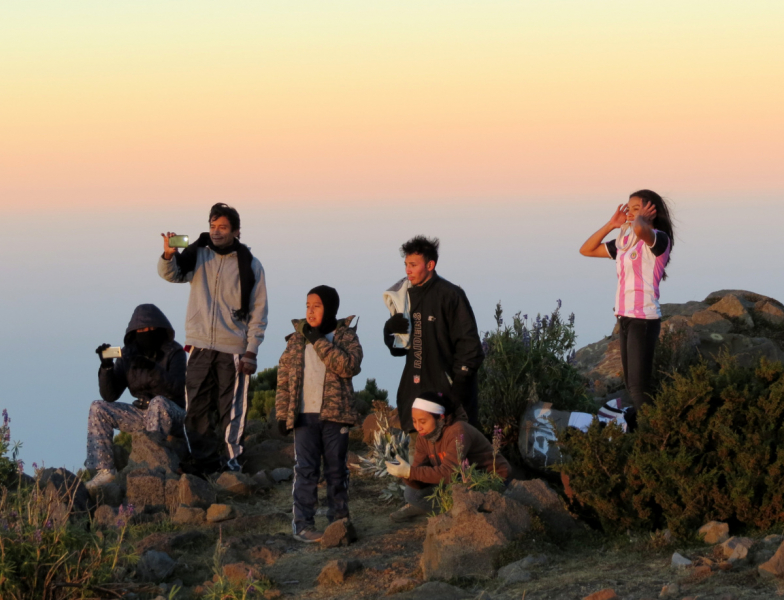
113	352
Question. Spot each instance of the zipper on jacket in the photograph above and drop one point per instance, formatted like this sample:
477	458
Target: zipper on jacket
214	300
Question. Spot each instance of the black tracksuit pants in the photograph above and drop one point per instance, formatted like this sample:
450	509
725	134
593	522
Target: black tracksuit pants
638	343
215	383
314	439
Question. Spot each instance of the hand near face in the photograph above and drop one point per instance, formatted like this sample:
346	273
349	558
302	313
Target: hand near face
647	213
619	216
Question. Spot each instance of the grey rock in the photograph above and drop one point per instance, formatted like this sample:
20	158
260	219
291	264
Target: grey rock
336	572
339	533
237	484
434	590
60	486
687	309
465	541
714	532
514	572
281	474
262	480
711	321
145	452
155	566
773	539
195	492
735	308
679	561
186	515
539	496
146	489
769	312
670	590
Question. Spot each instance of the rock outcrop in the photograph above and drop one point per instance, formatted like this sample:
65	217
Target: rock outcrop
465	541
746	324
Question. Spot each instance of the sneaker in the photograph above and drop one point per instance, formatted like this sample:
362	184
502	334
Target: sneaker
102	477
406	513
232	466
309	536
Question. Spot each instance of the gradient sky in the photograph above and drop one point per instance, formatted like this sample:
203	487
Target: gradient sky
339	130
356	100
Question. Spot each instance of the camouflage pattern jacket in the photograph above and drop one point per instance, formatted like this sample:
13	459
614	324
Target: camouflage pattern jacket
342	357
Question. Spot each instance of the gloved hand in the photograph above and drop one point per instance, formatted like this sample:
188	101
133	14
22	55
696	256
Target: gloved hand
402	470
106	363
397	323
282	429
461	389
311	333
142	362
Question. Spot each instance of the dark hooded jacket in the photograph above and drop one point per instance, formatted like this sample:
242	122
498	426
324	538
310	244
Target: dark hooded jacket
445	351
167	376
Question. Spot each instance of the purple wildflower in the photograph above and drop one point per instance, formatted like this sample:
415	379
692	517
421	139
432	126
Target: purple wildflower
48	524
20	466
559	303
526	338
465	464
6	418
485	347
251	589
571	319
37	536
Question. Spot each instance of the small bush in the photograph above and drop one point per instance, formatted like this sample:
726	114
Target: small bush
261	390
365	398
9	466
526	361
711	446
223	588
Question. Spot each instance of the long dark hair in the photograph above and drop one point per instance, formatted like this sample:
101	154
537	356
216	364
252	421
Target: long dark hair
663	221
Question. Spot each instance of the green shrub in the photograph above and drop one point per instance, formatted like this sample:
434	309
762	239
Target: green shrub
223	588
711	446
9	466
261	390
527	361
125	440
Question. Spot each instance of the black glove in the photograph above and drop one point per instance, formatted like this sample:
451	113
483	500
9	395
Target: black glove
142	362
397	323
311	333
461	389
282	427
106	363
141	403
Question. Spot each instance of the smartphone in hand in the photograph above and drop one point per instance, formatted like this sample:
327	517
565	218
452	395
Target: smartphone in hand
113	352
178	241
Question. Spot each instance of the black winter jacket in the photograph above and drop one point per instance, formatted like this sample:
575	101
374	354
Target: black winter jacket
445	346
166	378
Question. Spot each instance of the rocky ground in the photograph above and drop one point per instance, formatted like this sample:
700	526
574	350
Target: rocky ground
520	544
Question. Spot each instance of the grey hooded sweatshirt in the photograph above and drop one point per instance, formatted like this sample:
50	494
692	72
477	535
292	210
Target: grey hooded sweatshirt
210	323
166	378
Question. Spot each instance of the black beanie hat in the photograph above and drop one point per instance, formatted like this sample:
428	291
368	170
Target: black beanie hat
331	301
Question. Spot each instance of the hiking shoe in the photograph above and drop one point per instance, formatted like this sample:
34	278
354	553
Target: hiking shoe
102	477
232	466
309	536
406	513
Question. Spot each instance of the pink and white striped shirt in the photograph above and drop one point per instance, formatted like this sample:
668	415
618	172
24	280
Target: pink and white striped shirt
640	269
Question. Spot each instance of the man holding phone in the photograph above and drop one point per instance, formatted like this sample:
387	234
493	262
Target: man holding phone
224	325
151	366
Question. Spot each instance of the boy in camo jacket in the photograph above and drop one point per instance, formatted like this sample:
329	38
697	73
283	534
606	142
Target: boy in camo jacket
315	398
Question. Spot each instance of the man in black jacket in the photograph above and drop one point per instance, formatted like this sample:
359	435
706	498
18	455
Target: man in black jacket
152	368
443	351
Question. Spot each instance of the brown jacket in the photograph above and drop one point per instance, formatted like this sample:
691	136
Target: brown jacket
342	357
436	461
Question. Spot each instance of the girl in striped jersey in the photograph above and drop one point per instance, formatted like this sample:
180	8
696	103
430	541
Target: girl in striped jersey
641	251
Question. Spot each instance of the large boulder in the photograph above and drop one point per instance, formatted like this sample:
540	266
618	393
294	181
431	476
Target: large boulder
145	452
731	320
65	492
195	492
150	490
546	503
465	541
269	455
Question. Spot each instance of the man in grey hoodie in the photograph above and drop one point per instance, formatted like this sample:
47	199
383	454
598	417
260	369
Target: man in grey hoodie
152	369
224	324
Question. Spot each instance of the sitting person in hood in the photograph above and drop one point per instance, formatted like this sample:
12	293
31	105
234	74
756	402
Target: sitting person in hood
437	454
315	398
152	368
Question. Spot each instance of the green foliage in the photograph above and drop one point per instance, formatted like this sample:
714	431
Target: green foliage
44	555
261	390
527	361
710	447
9	466
372	393
223	588
468	475
388	443
125	440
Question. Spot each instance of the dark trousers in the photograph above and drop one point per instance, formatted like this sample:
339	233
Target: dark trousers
315	439
214	383
638	342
